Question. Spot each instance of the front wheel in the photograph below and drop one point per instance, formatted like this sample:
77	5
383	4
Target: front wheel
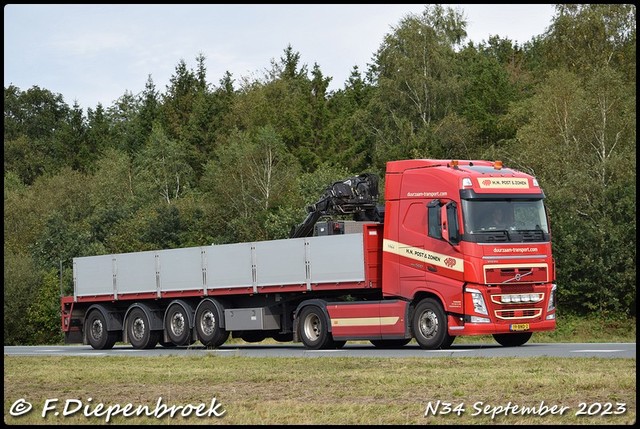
429	325
512	340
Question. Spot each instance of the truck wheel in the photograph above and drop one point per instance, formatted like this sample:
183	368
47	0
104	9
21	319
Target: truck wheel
176	325
390	344
283	338
208	325
139	330
337	344
430	325
253	336
97	334
512	340
448	341
313	329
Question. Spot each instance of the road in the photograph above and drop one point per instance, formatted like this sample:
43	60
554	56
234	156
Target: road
567	350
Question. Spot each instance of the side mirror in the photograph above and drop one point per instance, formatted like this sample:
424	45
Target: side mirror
449	223
443	222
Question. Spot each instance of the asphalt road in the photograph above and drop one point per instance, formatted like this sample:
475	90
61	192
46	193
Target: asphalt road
567	350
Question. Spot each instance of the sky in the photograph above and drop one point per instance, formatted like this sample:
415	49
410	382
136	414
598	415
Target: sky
93	53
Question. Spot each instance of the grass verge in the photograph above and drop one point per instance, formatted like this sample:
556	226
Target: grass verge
325	390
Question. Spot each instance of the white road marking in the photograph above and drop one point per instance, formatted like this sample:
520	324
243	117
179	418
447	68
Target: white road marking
596	351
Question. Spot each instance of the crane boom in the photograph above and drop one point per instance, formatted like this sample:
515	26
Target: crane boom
356	195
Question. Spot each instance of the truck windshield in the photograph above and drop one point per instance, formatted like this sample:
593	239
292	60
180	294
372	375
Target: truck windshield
513	219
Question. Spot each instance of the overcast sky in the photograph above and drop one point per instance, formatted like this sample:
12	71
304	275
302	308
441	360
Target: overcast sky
94	53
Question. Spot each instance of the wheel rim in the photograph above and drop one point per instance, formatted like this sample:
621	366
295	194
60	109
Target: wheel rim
177	324
428	324
138	329
96	329
312	327
207	323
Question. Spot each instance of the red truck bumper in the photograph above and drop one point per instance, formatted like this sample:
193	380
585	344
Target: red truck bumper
500	328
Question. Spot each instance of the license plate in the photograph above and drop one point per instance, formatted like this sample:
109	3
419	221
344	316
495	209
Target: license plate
519	327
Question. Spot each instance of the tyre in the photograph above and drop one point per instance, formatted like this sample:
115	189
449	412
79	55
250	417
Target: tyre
139	330
390	344
97	334
512	340
208	328
253	336
448	341
337	344
429	325
283	338
313	329
176	325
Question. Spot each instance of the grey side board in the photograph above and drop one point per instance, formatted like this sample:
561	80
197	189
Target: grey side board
312	260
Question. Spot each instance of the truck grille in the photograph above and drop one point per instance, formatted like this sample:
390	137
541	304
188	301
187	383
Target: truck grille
525	313
509	274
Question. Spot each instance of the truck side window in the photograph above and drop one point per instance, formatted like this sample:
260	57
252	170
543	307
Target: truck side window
434	219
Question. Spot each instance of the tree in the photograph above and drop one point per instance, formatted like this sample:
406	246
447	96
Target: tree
43	313
98	132
252	176
178	100
583	37
488	93
580	143
123	115
417	82
163	165
21	279
33	119
349	142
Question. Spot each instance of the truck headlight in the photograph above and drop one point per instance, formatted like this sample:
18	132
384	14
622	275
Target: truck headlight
552	299
478	302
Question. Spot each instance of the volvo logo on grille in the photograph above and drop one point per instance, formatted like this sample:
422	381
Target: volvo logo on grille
518	276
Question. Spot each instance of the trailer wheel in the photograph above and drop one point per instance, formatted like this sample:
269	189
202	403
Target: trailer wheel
210	333
512	340
430	325
313	329
97	334
139	330
390	344
177	325
253	336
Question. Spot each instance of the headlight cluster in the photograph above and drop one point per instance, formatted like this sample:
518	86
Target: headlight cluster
478	302
517	298
552	299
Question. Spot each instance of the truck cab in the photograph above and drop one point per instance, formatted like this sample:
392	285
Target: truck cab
473	238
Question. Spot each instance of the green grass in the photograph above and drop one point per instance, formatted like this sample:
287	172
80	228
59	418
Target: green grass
323	390
338	390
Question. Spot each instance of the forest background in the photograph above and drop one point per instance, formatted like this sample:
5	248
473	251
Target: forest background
204	163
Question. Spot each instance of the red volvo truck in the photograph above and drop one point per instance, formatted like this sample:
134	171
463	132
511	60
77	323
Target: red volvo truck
458	248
